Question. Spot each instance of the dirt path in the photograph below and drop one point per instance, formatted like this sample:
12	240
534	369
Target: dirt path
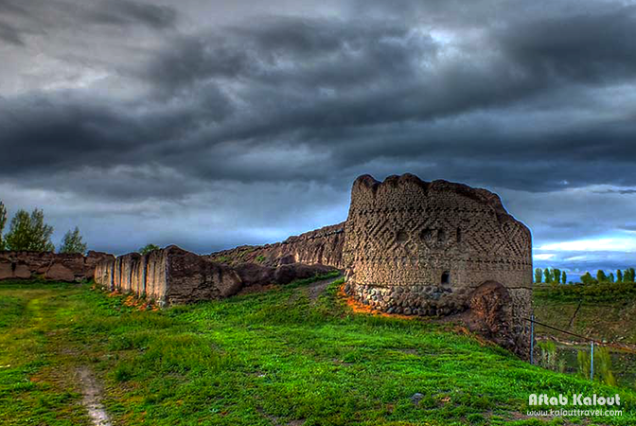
92	397
317	288
42	311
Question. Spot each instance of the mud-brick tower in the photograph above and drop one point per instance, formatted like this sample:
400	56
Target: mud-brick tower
438	248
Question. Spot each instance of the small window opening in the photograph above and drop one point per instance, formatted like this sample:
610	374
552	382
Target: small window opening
427	235
459	235
402	237
441	236
446	277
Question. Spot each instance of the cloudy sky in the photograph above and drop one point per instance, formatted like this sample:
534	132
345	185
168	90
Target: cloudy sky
211	124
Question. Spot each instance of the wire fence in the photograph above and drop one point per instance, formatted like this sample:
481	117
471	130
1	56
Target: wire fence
590	357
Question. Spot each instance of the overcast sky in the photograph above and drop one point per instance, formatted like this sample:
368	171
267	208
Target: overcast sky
211	124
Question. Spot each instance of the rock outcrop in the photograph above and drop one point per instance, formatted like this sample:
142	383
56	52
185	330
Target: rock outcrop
49	266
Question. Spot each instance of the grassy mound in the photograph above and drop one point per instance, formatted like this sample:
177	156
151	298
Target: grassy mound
275	358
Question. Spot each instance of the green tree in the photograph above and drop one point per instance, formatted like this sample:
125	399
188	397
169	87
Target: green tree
3	222
29	232
619	276
564	277
73	242
600	276
631	275
587	278
538	275
611	277
548	275
556	275
149	248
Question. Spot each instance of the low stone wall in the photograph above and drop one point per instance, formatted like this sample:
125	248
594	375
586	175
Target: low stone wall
173	275
49	266
168	276
323	246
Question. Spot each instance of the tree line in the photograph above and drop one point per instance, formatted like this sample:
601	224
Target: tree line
550	276
556	276
29	232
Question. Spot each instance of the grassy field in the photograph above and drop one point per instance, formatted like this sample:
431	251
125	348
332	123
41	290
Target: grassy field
283	357
603	311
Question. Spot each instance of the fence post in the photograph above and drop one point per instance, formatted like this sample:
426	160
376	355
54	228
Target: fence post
532	339
592	362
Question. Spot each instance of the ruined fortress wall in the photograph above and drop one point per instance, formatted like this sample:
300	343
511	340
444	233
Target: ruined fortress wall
408	247
420	248
323	246
49	266
170	276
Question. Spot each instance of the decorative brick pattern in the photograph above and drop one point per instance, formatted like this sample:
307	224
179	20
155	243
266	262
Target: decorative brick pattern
420	248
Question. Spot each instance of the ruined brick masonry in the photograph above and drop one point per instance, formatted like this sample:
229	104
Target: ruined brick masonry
408	247
171	276
420	248
49	266
323	246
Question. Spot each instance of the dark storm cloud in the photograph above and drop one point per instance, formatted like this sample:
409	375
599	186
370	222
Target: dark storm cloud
51	18
10	35
584	47
619	191
527	98
123	13
337	86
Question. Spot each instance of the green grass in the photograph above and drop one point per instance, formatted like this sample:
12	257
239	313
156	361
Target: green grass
260	359
602	311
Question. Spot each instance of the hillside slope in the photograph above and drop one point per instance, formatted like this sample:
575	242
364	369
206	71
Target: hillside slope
295	355
603	311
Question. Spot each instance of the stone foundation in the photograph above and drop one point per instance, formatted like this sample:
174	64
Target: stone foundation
412	300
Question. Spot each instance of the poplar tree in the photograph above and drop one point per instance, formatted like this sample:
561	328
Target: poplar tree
73	242
548	275
587	278
600	276
29	232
